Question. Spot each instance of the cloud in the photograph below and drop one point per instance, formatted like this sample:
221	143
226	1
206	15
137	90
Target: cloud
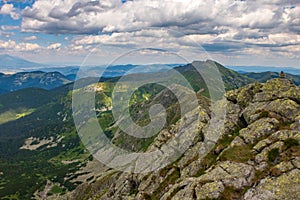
7	34
8	9
9	28
11	45
27	47
228	26
33	37
73	16
54	46
7	44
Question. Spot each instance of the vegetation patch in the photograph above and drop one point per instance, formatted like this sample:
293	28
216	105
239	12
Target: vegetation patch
170	179
230	193
273	154
56	190
12	115
237	154
291	142
228	138
209	160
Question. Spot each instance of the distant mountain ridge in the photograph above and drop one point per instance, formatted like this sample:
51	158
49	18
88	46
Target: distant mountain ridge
37	79
265	76
48	79
261	69
8	61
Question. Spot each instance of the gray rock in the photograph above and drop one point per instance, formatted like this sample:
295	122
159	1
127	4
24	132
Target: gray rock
286	186
237	175
260	128
210	190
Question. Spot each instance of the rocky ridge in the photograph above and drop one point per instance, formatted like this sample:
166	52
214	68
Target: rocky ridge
257	155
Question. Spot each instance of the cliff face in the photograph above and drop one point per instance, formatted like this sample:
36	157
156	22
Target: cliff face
257	155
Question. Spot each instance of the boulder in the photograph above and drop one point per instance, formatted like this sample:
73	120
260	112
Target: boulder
231	174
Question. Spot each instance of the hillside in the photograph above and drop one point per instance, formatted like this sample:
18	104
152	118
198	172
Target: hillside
256	156
35	79
15	105
232	79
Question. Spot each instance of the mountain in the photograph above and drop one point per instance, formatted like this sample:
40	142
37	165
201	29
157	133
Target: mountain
42	156
110	71
255	156
12	62
231	79
265	76
36	79
258	69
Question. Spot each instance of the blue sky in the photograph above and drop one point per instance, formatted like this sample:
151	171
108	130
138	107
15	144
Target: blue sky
233	32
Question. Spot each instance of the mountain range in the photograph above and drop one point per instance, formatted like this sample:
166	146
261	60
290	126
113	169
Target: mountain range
42	156
259	69
13	62
37	79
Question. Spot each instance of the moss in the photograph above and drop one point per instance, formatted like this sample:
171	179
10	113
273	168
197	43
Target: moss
273	154
290	142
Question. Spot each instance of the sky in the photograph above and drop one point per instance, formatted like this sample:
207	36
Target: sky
72	32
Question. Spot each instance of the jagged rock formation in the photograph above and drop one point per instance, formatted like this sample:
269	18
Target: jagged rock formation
256	157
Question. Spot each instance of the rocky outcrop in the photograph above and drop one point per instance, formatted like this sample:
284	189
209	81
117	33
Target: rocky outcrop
257	154
286	186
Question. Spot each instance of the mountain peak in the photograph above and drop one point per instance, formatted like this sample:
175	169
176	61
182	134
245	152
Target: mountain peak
8	61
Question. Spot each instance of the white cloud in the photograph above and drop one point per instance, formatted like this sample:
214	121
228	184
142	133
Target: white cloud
7	44
33	37
228	26
54	46
11	45
7	34
27	46
8	9
9	28
73	16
